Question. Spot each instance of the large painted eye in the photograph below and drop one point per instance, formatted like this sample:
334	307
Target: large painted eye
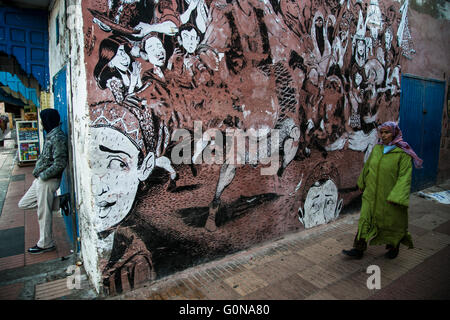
117	164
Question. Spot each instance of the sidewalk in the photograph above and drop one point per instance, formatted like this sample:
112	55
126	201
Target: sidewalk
309	265
304	265
23	275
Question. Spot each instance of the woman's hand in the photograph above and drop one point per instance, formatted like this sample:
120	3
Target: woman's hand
135	77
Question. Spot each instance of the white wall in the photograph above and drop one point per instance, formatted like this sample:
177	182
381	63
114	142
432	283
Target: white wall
70	52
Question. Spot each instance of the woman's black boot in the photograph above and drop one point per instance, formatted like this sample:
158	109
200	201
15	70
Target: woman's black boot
354	253
392	253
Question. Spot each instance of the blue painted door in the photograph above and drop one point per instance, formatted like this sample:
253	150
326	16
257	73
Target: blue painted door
60	102
421	106
24	34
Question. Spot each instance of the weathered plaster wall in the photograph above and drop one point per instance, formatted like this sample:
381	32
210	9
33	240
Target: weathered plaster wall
68	52
324	73
430	29
58	42
81	140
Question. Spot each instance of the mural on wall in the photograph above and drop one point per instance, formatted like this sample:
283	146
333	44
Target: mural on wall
315	77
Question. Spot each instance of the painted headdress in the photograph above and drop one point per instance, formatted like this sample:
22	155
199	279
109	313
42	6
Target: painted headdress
360	34
133	122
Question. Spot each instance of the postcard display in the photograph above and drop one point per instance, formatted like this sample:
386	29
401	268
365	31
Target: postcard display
27	140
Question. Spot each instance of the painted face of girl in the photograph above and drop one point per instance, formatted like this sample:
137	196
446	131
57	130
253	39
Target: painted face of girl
121	60
155	51
115	175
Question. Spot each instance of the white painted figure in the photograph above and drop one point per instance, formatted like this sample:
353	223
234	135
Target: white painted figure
322	204
116	174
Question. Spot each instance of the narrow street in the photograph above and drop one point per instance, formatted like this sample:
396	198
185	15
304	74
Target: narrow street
307	265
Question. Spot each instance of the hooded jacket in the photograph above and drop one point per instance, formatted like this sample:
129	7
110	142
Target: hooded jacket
53	158
386	181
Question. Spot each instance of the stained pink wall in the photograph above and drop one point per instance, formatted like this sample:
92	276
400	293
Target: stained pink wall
432	61
323	74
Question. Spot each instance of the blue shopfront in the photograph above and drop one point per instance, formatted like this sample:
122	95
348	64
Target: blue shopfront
25	77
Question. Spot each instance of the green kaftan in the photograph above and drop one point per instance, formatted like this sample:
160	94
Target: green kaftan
385	177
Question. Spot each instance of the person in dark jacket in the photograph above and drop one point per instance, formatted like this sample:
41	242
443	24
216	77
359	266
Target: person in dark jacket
48	172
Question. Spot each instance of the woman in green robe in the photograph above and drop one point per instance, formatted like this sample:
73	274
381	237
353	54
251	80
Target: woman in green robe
385	182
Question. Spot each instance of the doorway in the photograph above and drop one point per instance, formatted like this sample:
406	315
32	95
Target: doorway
421	106
60	102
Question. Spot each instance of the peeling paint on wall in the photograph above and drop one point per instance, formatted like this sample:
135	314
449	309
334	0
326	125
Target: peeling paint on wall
323	73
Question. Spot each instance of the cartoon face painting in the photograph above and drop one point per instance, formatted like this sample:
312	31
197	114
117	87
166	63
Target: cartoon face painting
121	60
361	48
117	169
155	51
190	40
321	204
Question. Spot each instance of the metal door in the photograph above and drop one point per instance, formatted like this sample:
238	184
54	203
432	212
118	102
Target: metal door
60	102
421	105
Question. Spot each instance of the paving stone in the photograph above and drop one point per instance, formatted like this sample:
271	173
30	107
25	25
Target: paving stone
293	287
428	221
12	241
330	243
52	290
409	258
18	177
350	288
416	231
321	295
341	264
389	269
319	276
261	294
245	282
272	272
443	228
260	260
317	253
11	292
220	291
12	262
288	265
427	281
433	240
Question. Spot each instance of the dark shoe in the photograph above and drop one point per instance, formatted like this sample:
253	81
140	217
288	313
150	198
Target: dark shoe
37	250
389	246
354	253
392	253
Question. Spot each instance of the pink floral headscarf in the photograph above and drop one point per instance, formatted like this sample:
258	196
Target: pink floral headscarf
398	141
